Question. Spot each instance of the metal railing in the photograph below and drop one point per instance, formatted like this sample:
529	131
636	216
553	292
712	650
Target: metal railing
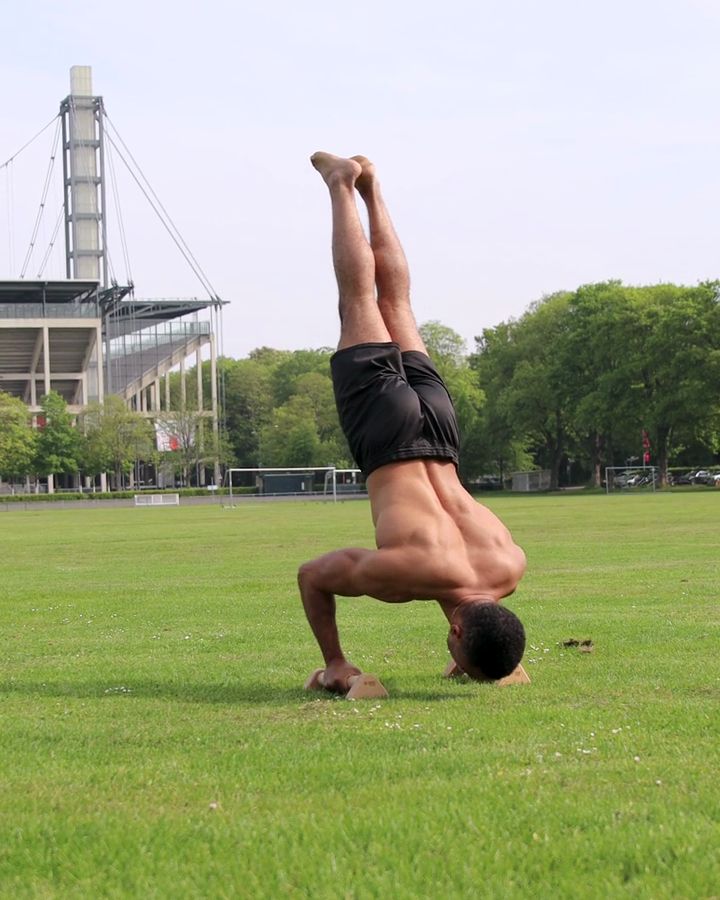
49	311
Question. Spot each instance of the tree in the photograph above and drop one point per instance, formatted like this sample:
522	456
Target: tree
500	443
521	364
17	438
58	448
248	406
588	374
114	437
186	446
448	352
600	369
677	351
263	394
290	368
291	438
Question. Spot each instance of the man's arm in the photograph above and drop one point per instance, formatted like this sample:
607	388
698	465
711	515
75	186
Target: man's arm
350	573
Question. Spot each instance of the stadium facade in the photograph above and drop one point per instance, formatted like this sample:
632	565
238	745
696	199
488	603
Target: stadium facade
87	338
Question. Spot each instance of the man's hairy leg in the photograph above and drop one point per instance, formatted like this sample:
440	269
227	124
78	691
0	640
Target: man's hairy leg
392	274
353	258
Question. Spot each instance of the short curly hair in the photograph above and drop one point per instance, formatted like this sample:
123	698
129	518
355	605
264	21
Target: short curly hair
493	638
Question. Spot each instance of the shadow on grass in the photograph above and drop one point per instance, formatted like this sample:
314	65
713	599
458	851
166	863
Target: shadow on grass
227	693
230	693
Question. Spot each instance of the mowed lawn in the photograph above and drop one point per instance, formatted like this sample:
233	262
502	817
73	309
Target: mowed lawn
155	740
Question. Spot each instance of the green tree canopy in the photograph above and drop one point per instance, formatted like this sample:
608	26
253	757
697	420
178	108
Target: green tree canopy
587	373
521	364
58	446
448	351
17	438
113	437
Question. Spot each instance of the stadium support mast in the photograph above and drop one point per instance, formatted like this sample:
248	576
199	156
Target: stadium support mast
84	179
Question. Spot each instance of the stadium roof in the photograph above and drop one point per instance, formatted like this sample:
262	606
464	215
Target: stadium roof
67	290
114	301
154	309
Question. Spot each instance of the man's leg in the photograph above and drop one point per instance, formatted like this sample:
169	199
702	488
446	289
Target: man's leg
360	318
392	275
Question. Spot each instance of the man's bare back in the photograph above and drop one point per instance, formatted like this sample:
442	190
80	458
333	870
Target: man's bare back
451	548
434	542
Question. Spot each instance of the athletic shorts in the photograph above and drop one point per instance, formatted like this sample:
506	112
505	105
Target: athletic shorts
392	406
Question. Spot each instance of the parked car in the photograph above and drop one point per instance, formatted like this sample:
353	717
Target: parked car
683	478
702	476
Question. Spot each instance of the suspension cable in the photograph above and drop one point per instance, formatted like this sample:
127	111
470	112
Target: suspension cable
10	214
118	212
53	238
166	222
27	144
43	198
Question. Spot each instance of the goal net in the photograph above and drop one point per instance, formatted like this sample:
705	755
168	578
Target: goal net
630	479
323	482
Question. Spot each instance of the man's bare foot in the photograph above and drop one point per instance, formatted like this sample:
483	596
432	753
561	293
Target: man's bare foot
367	177
336	169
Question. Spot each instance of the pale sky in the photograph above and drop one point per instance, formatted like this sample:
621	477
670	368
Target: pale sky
524	147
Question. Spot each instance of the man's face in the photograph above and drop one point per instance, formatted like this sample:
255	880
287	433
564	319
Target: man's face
456	651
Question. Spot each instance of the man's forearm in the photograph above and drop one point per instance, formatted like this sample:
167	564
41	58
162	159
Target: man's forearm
319	608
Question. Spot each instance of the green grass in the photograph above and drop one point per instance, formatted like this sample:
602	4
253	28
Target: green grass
155	740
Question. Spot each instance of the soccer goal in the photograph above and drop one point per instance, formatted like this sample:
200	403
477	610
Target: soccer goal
323	482
630	478
157	499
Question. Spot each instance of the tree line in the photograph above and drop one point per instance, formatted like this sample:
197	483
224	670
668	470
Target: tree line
583	380
603	376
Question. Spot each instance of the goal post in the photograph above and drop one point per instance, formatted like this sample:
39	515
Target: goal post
630	479
157	499
303	482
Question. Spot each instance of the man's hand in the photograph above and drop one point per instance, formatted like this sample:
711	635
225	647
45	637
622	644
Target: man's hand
453	670
337	674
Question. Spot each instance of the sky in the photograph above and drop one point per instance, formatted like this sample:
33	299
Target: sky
523	147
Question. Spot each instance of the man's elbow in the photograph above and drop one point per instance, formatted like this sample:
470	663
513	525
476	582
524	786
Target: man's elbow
305	575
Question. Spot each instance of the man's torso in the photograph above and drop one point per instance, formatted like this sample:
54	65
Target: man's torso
447	546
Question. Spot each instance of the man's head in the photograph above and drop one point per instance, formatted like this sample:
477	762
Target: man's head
486	640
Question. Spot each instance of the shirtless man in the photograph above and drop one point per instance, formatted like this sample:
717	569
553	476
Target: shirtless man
434	542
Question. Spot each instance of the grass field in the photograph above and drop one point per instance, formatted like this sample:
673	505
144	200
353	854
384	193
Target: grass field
155	740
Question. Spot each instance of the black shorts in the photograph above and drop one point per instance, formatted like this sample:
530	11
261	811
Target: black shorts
392	406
